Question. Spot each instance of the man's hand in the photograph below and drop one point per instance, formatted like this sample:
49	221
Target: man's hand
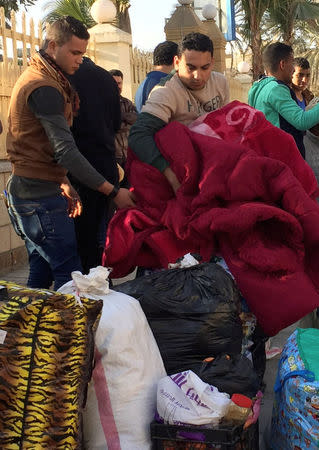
124	199
172	179
74	201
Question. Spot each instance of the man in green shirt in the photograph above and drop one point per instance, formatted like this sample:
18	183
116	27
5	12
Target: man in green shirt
273	96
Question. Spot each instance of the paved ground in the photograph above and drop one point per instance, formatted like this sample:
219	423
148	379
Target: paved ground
270	377
20	274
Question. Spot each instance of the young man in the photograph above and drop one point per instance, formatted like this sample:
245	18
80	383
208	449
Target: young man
192	91
273	96
128	117
300	81
41	149
163	61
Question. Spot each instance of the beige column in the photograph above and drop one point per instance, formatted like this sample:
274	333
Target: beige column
113	51
219	42
113	47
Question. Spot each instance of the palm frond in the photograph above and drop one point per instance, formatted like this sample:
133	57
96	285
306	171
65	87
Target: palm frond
284	15
306	11
79	9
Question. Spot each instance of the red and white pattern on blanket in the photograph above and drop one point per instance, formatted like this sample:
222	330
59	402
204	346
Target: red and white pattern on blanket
241	114
246	194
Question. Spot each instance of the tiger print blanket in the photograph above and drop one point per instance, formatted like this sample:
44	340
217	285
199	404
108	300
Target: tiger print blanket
46	354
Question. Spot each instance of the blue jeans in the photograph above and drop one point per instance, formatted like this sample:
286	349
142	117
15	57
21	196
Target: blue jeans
49	236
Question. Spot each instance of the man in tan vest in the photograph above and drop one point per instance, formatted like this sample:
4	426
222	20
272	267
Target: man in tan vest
42	150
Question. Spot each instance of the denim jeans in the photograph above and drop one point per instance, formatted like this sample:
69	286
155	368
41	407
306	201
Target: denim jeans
49	236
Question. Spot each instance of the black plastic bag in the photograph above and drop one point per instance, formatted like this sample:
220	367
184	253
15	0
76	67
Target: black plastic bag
233	374
193	313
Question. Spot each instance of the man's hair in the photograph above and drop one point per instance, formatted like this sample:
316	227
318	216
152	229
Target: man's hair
274	53
116	73
196	41
62	30
164	53
301	62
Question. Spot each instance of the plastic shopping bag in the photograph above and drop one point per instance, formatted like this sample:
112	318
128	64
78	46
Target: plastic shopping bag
184	398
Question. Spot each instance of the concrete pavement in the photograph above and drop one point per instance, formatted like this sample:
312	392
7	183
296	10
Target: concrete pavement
18	274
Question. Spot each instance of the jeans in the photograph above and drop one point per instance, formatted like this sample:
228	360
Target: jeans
49	236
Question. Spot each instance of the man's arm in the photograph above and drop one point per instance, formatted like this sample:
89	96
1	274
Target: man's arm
129	117
157	112
141	140
47	104
282	102
129	112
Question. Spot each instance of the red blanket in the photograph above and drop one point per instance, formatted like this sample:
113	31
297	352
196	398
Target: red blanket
245	194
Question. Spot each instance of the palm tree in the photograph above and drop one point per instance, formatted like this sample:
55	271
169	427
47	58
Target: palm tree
286	14
269	20
123	17
80	9
296	24
313	58
306	44
252	14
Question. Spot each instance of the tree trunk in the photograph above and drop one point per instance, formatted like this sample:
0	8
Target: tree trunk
122	15
289	33
124	22
255	44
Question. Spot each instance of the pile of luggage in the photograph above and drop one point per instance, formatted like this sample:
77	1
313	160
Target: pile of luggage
159	328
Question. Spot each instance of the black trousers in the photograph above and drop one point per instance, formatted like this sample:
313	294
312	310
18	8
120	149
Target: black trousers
91	226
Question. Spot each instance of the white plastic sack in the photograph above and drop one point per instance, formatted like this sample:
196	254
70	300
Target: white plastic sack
184	398
93	285
121	400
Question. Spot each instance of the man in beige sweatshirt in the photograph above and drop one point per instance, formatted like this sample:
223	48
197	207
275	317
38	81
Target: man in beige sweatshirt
192	91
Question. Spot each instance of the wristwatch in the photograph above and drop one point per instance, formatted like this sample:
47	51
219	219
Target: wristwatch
114	192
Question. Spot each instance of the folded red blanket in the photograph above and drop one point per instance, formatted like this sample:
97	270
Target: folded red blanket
246	194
